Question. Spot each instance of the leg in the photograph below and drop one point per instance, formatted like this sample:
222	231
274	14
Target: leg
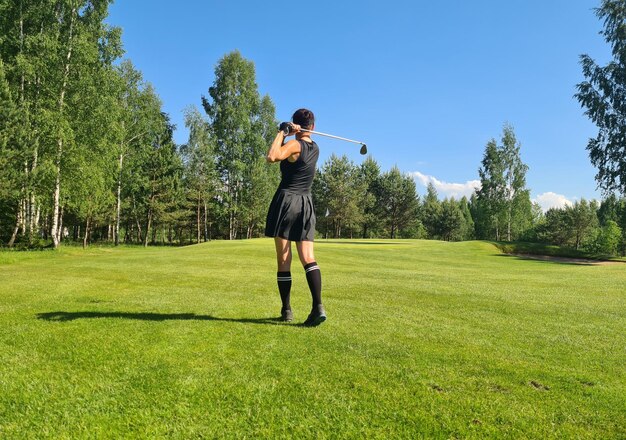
314	279
283	276
305	252
283	254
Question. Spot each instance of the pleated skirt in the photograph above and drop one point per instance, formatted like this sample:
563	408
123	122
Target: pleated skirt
291	216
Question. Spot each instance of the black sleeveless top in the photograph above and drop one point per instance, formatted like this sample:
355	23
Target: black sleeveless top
298	176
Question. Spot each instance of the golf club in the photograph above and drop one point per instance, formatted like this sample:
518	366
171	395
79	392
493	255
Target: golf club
285	129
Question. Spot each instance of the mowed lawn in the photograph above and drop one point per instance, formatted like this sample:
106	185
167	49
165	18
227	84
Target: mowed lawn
424	339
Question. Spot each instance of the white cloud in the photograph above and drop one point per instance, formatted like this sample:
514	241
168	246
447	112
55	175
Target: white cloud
552	200
446	189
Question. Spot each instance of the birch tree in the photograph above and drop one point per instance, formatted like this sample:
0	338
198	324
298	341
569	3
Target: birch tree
200	174
517	204
233	107
603	95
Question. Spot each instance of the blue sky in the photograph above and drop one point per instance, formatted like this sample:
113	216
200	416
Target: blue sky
425	84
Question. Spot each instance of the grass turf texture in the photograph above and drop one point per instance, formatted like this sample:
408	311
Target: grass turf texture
424	339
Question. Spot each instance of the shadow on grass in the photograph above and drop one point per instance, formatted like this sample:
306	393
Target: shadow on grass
554	260
72	316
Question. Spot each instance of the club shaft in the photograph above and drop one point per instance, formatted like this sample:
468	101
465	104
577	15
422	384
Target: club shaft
331	136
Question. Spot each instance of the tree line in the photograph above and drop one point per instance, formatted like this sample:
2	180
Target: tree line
87	155
87	152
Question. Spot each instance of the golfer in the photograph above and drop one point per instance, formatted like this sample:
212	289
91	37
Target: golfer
291	216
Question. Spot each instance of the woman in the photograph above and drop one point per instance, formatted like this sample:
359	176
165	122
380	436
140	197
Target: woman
291	216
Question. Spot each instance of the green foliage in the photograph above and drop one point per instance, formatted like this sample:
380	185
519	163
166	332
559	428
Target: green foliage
492	193
603	96
260	179
503	202
369	173
541	249
241	123
200	176
339	192
468	226
608	240
452	221
574	226
431	212
398	202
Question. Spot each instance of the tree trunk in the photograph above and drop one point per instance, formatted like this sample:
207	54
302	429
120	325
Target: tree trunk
55	212
33	218
118	208
17	228
86	237
198	221
55	232
206	231
60	223
148	225
509	219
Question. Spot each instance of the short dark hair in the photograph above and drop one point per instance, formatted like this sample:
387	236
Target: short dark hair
304	118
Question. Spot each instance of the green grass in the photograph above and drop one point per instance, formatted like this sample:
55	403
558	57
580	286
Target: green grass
424	339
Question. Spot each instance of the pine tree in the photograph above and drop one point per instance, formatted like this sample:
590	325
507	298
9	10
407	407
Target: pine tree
369	173
397	200
451	221
341	194
491	195
431	212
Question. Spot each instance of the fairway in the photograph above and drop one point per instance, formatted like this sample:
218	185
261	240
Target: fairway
423	339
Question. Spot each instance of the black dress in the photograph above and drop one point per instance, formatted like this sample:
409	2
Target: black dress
291	214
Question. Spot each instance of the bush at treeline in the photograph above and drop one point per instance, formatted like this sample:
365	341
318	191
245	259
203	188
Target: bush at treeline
87	155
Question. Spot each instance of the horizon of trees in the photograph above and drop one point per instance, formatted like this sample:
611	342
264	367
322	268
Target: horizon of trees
87	155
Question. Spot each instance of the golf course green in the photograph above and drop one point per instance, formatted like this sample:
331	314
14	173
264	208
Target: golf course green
424	339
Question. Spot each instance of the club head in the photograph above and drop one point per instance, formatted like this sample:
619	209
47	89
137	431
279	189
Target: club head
363	149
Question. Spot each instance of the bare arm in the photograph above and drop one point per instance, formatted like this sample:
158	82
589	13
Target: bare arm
278	151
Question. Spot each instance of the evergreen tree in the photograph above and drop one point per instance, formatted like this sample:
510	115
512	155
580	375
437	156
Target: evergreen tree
340	195
467	229
582	221
369	174
431	212
161	169
451	221
491	195
8	195
397	200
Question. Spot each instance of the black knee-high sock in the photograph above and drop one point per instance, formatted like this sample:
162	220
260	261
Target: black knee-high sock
284	287
314	278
